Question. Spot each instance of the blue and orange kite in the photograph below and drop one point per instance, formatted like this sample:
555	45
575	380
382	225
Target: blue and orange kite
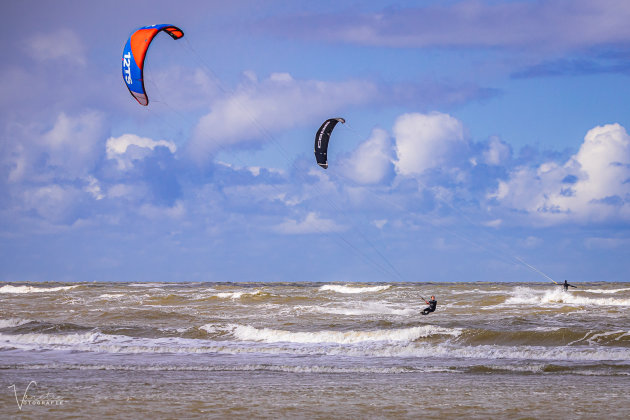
133	57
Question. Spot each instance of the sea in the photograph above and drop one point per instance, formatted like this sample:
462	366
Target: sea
314	350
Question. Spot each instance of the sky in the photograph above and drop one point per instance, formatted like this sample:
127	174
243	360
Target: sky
485	140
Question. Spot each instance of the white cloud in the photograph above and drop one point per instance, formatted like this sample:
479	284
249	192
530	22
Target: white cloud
54	203
62	44
312	223
129	147
495	223
497	152
72	142
426	141
258	109
181	88
69	150
176	211
593	185
380	224
254	170
371	161
126	191
94	188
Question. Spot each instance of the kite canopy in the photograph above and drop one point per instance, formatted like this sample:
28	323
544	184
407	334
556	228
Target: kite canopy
133	57
322	137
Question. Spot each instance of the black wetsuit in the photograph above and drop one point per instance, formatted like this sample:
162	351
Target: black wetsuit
566	286
430	308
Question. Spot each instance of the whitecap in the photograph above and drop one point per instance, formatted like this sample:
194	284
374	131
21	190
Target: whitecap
525	296
269	335
353	289
31	289
13	322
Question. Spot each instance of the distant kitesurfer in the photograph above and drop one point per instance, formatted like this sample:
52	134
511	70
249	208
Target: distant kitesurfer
567	285
431	308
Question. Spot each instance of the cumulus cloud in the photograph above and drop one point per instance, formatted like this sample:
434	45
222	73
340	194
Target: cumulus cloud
72	143
593	185
371	162
62	44
94	188
257	109
54	203
497	152
176	211
182	88
426	141
69	150
129	148
312	223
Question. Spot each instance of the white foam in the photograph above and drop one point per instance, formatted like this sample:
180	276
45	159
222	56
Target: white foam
234	368
108	296
268	335
380	343
478	292
592	337
533	353
605	291
37	340
13	322
30	289
532	368
148	284
353	289
558	296
368	308
211	328
238	295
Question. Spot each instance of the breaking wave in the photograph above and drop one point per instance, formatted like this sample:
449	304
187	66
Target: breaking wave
268	335
380	343
31	289
532	297
238	295
352	289
12	322
605	291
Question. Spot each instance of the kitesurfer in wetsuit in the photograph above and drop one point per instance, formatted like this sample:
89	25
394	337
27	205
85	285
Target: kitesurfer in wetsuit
431	308
567	285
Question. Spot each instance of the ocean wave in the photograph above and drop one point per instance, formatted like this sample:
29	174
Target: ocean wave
41	341
604	291
309	344
526	296
368	308
560	353
148	284
13	322
229	368
268	335
353	289
545	337
593	337
109	296
31	289
600	369
239	295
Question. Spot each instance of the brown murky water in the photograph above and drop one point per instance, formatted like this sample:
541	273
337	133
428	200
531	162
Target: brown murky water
213	350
